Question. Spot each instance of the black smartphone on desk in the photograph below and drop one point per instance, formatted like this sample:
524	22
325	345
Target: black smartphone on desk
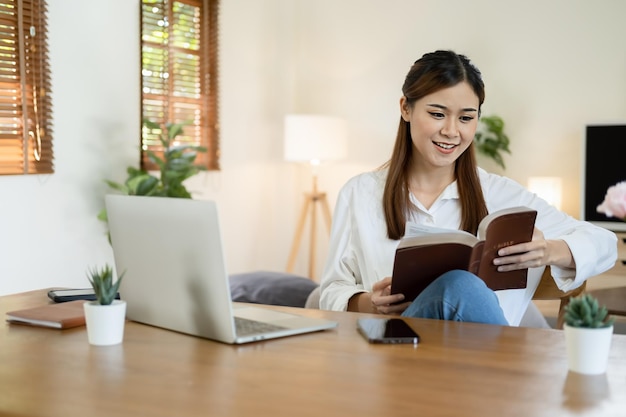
61	296
387	330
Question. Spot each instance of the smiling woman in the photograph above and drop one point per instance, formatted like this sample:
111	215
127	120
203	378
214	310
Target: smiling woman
25	96
432	180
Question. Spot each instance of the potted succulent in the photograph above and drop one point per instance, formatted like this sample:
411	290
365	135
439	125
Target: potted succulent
105	317
588	332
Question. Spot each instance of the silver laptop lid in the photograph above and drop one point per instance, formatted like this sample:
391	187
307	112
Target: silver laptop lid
175	275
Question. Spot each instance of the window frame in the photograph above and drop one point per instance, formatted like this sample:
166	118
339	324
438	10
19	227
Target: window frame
169	96
25	93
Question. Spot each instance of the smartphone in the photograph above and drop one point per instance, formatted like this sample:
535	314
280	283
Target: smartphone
61	296
387	330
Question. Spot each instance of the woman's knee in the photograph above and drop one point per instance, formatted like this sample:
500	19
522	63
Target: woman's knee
460	281
458	295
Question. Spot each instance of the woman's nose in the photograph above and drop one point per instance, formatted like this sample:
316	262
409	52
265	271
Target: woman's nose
450	129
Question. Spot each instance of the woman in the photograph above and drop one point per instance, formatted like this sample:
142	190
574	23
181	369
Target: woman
432	178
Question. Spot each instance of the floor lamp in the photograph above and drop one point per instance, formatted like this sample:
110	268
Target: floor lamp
312	139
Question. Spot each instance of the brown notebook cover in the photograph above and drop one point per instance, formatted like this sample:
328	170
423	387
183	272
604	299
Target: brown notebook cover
59	316
419	260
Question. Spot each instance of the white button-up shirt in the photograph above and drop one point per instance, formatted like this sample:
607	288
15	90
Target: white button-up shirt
360	253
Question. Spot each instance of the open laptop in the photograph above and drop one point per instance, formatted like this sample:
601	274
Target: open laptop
170	250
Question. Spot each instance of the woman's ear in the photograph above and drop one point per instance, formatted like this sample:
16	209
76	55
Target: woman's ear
404	109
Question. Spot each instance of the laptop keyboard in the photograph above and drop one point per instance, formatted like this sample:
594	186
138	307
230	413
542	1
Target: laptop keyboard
246	327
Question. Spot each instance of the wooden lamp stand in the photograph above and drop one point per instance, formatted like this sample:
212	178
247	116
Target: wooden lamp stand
310	207
313	138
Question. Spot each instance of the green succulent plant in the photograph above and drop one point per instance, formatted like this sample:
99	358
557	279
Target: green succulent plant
585	311
490	139
101	279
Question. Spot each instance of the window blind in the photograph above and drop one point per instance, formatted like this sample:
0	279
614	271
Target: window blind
25	102
179	74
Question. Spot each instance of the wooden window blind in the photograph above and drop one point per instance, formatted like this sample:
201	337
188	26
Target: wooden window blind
25	102
179	74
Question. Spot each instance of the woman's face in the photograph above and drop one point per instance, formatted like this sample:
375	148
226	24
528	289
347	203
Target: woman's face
442	124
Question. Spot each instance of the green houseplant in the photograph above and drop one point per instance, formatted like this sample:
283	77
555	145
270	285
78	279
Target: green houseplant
103	285
585	311
490	138
105	317
175	166
588	332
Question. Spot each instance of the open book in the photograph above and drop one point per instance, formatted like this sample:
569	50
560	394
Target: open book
426	252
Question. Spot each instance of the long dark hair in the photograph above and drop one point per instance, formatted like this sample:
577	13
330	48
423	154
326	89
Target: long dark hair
432	72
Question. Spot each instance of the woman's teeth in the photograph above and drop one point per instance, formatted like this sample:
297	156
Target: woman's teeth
444	145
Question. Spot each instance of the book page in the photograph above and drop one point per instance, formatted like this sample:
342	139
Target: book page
421	235
416	229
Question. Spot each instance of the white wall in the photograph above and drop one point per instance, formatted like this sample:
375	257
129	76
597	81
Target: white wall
550	68
49	234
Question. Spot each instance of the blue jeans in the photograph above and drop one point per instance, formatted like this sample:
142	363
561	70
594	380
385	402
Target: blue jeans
458	296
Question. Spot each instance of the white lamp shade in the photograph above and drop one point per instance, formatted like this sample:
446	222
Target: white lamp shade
314	138
548	188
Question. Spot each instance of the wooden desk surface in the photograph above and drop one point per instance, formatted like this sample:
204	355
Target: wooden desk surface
459	369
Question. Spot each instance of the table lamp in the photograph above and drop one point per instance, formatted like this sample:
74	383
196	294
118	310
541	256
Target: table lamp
313	139
548	188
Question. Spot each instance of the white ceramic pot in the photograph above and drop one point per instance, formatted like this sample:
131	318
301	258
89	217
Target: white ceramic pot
588	349
105	324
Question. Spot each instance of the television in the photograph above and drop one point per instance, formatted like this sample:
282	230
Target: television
604	165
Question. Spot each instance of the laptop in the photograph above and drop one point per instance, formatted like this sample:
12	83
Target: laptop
170	251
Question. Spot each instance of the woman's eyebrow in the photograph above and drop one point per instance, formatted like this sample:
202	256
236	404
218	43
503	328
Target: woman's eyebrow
442	107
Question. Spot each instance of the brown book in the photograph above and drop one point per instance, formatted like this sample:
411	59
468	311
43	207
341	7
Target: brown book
59	316
425	253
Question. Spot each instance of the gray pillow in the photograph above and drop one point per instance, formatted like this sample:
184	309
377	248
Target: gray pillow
274	288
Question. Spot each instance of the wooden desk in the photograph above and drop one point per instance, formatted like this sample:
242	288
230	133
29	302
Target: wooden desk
459	369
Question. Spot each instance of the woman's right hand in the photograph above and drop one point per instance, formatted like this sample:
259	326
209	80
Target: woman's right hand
383	302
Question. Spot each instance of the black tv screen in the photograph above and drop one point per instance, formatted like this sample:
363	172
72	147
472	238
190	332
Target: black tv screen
604	166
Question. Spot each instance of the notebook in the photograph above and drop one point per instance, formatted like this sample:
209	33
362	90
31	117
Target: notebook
175	274
58	316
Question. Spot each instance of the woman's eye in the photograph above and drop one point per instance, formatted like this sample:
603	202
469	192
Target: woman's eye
467	118
437	115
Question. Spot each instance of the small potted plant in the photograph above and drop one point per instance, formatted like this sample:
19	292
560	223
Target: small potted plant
588	332
105	317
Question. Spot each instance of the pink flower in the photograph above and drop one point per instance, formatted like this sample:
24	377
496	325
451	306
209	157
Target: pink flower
614	204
